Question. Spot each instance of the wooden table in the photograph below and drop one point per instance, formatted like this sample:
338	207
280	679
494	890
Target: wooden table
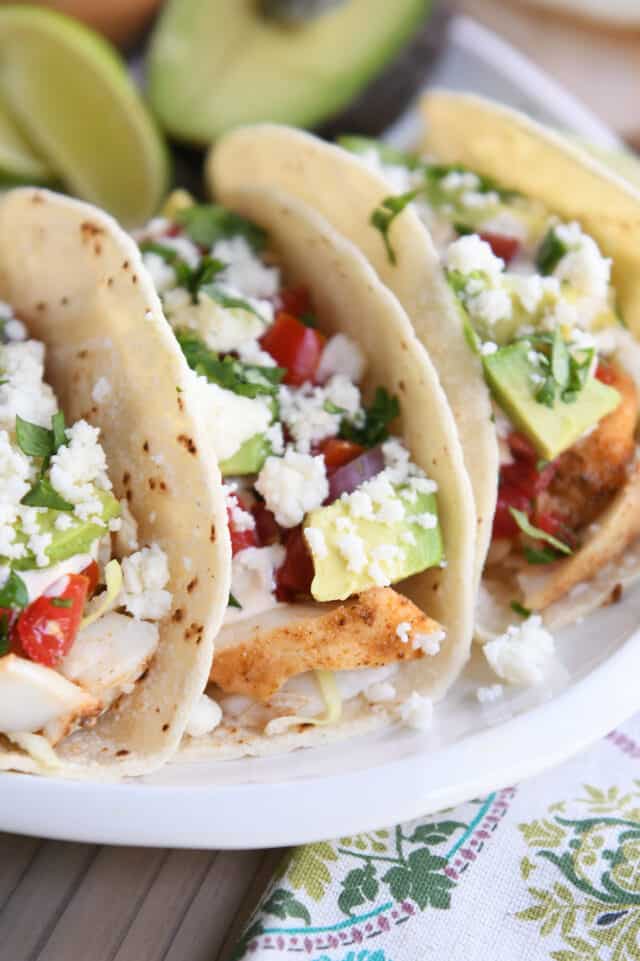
63	902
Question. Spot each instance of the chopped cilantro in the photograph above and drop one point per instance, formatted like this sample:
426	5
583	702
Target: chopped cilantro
233	602
560	360
374	428
384	215
332	408
543	556
227	301
61	601
33	440
191	278
42	494
527	528
58	430
14	593
309	319
207	223
519	608
5	642
249	380
550	253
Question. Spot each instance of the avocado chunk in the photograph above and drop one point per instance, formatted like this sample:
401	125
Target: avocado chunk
76	539
415	546
551	430
248	459
215	66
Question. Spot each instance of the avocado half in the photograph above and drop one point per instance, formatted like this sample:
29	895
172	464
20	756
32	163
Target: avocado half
214	66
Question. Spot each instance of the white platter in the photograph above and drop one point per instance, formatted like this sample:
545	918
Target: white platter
397	775
364	783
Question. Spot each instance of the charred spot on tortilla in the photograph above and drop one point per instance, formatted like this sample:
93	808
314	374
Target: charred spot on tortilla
145	446
212	533
41	305
187	443
191	586
177	615
82	354
64	301
125	265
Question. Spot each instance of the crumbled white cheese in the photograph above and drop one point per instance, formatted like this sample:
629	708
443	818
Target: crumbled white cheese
352	548
245	271
457	180
417	712
488	348
253	579
380	692
470	253
521	654
185	249
101	390
317	543
293	485
234	418
241	519
23	390
490	306
205	716
304	410
162	274
223	329
78	467
145	575
487	695
429	643
403	631
583	266
127	534
341	355
399	179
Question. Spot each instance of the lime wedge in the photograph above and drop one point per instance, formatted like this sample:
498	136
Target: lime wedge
18	161
71	95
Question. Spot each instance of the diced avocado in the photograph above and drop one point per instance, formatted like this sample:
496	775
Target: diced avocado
76	539
214	66
418	546
550	429
249	458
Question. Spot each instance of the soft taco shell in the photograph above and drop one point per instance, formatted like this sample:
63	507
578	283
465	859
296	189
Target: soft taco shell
350	299
344	192
77	281
539	163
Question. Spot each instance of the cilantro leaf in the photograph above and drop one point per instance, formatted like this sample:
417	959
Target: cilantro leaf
527	528
374	429
332	408
33	440
225	300
207	223
191	278
42	494
61	601
543	556
14	593
387	154
551	252
520	609
249	380
58	430
560	360
384	215
5	641
233	602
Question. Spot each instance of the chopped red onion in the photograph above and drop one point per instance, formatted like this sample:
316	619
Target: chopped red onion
350	476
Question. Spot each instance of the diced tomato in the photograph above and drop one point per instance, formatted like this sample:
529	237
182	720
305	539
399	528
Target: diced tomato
295	347
240	539
173	230
296	573
295	300
548	522
502	246
92	573
605	373
521	447
266	525
526	477
337	452
503	523
48	626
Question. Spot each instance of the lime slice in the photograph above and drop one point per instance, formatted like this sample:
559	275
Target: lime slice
18	162
72	96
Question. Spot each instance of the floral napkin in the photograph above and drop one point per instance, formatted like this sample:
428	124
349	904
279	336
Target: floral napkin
549	869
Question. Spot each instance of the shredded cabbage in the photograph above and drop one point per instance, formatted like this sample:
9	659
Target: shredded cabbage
113	580
37	747
333	702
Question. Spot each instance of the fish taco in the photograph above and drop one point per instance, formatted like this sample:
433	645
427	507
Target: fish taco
114	551
351	516
514	254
